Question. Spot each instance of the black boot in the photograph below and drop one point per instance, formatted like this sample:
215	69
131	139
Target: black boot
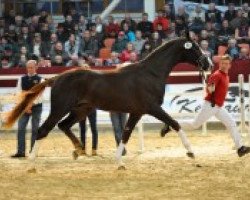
243	150
165	130
18	155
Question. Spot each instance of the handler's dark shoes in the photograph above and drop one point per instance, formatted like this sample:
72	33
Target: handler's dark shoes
165	130
18	155
243	150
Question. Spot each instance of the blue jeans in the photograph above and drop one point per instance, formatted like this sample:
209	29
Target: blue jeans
92	121
118	122
22	124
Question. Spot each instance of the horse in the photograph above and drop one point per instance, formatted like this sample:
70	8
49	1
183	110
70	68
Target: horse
136	89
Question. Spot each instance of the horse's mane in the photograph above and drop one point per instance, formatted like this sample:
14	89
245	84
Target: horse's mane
162	47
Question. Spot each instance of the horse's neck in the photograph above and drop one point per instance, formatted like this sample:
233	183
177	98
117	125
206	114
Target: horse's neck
162	65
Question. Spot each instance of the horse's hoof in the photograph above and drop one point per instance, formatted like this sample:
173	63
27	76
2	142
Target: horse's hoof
121	167
75	155
190	155
166	129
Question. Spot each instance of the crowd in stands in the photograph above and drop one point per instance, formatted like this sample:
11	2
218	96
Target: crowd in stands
77	40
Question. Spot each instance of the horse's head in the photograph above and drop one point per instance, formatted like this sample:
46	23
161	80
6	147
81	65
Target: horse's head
193	54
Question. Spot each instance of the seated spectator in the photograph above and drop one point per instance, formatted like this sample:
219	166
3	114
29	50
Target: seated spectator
2	26
125	56
88	45
233	49
242	34
58	51
161	32
112	28
230	14
25	38
168	12
51	24
42	17
99	37
246	10
213	15
128	33
98	62
68	25
44	62
225	33
22	57
71	47
197	19
113	60
236	22
45	32
180	25
120	43
82	24
129	21
6	62
172	34
206	49
145	26
52	41
133	57
244	54
73	62
38	47
160	19
155	41
182	15
139	42
58	61
211	38
62	35
34	26
147	49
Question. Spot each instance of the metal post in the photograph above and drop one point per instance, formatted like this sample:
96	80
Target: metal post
242	103
204	125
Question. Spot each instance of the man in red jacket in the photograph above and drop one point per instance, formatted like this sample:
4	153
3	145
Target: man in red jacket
161	20
217	88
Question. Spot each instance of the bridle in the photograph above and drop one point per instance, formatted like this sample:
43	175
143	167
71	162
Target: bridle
201	67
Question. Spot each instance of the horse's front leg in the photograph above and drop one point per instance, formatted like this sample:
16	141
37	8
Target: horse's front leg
130	125
160	114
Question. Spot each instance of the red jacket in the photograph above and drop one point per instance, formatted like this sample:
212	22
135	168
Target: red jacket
112	28
163	21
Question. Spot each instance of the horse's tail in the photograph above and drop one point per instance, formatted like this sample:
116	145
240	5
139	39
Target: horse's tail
26	100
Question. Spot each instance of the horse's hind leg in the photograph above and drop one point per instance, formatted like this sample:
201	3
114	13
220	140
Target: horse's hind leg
43	131
132	121
65	126
160	114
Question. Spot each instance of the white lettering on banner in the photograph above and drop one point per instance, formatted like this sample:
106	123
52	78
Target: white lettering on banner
180	100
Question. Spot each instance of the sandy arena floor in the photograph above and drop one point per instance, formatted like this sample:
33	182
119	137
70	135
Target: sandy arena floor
162	172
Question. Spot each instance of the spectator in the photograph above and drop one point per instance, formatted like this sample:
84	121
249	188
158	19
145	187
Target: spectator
73	62
145	26
58	53
161	32
225	33
6	62
38	47
22	57
25	83
230	14
113	60
242	34
168	12
182	15
61	33
43	17
130	35
51	24
155	41
211	38
236	22
88	45
129	21
126	54
206	49
34	25
120	43
233	48
68	25
139	42
147	49
2	26
213	15
10	17
197	19
58	61
82	24
45	32
246	10
25	38
133	57
161	20
244	54
99	37
180	25
112	28
52	41
71	46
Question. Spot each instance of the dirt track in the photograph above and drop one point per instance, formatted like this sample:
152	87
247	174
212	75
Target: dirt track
161	172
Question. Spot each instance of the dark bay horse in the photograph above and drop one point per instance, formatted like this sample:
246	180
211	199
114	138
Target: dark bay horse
137	89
